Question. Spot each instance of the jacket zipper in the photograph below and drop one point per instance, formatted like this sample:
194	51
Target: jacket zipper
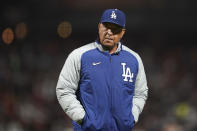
111	110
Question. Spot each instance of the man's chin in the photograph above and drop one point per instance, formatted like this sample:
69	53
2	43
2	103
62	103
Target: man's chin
108	43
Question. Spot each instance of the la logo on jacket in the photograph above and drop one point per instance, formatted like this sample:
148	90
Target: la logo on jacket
126	73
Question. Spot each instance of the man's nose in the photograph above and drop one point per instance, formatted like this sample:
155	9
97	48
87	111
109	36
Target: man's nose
109	31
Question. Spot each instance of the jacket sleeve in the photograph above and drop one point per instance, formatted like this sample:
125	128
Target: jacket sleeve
141	91
67	86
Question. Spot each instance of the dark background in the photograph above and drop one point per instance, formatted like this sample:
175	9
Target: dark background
163	32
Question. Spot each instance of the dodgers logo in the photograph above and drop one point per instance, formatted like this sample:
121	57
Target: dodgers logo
113	15
126	73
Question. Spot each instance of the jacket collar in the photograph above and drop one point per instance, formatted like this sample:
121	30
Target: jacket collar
100	47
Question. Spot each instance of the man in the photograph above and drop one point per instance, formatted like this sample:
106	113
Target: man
102	85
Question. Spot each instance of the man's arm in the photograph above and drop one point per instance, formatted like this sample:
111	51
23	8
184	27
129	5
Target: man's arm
141	91
67	86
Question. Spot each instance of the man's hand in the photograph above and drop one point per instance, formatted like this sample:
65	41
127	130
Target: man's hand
79	122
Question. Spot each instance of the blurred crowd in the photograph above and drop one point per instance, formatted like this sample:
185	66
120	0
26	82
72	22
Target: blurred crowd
28	76
172	80
29	72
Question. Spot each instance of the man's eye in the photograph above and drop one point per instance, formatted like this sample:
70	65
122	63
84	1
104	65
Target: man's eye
116	31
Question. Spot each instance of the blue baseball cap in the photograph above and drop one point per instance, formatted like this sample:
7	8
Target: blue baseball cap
114	16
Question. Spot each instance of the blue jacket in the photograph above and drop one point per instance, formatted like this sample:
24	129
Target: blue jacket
106	91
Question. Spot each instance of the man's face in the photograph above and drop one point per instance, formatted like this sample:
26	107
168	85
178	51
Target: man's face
110	34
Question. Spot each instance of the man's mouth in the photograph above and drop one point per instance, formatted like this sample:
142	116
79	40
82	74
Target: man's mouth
107	38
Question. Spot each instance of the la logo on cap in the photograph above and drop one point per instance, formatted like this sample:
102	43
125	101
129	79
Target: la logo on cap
113	15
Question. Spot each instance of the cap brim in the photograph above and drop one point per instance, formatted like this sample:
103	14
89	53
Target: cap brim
110	21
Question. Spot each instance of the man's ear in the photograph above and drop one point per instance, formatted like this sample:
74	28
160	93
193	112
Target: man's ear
123	32
99	24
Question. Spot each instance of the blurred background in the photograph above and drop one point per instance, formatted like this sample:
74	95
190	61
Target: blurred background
37	36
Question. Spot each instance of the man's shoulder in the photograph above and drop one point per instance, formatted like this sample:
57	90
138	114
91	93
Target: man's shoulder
125	48
86	47
81	50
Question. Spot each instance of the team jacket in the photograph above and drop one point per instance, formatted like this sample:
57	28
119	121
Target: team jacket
106	91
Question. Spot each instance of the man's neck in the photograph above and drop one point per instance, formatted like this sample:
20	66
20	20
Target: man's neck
111	50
